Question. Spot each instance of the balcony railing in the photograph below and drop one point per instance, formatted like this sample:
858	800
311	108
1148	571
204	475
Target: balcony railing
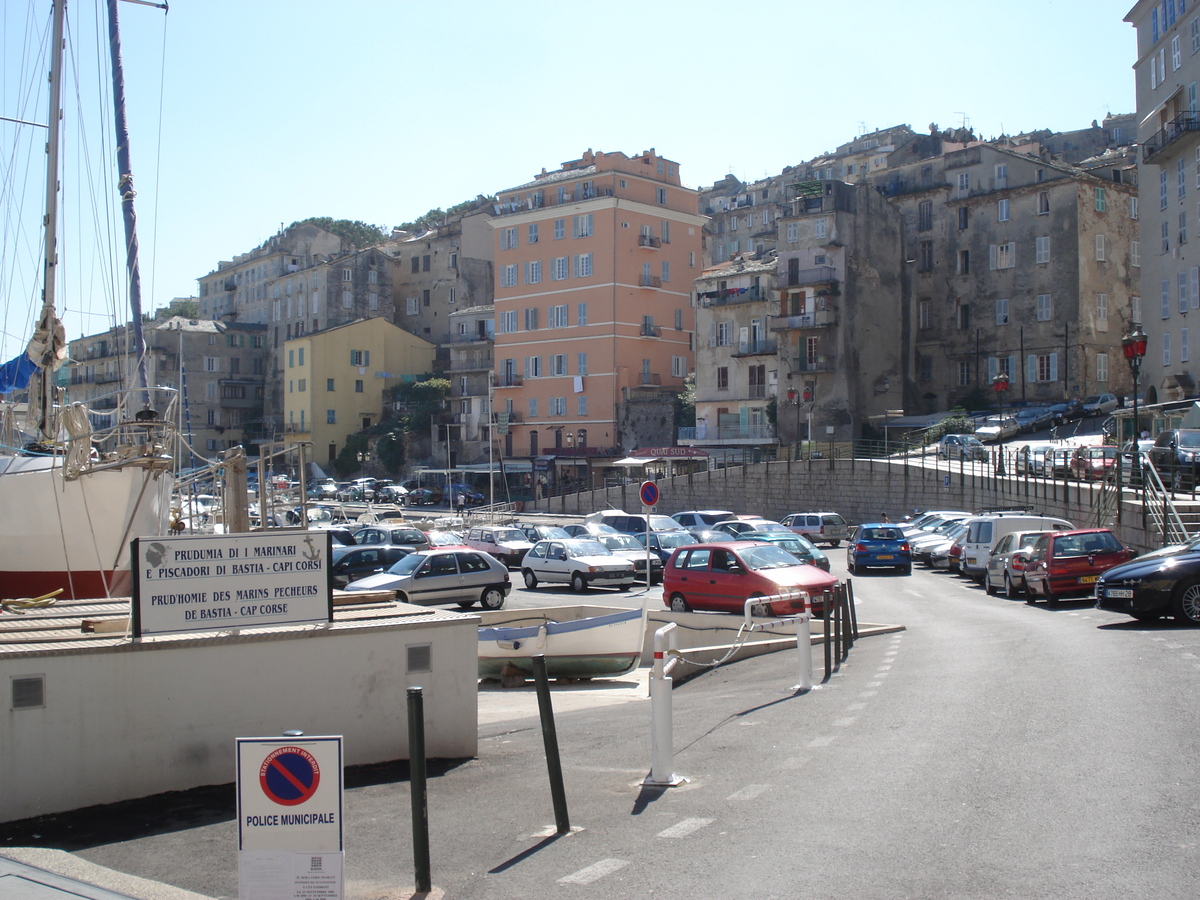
820	363
811	275
651	331
760	347
733	295
471	338
649	281
1176	128
821	318
740	433
513	416
470	365
509	380
649	379
511	207
649	240
758	392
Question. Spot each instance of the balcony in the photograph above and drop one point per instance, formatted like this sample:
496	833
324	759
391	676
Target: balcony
813	275
1174	136
651	331
821	318
651	281
649	379
471	365
819	363
649	240
731	296
540	201
727	434
471	338
761	347
513	417
507	380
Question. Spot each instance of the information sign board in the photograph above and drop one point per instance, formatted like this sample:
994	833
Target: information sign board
214	582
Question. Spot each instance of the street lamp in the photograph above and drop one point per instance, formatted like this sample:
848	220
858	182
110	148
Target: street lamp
1000	385
363	456
1134	347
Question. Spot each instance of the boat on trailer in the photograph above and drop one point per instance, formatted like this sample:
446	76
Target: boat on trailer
603	646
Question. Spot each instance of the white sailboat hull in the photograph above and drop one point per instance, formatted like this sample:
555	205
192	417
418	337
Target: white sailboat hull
74	534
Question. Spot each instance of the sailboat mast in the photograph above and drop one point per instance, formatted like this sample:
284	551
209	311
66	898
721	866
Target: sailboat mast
125	171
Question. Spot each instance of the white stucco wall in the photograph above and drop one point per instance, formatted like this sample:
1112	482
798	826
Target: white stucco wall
131	720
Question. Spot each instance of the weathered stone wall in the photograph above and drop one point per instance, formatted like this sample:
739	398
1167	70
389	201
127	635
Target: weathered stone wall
861	490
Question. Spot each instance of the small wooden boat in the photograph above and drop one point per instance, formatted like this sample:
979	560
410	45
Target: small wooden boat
591	647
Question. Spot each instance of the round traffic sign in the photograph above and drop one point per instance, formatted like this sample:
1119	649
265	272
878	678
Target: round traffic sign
649	493
289	776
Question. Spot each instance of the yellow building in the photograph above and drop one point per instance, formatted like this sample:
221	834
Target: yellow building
335	379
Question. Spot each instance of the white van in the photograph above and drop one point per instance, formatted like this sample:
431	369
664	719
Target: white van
984	531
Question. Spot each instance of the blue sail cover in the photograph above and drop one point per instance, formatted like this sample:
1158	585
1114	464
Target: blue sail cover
15	373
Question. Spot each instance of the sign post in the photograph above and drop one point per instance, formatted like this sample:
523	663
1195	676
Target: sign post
289	808
649	496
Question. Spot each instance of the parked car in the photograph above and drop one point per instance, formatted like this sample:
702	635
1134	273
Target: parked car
1059	461
1031	459
445	539
878	544
404	536
818	527
359	562
723	576
997	428
579	562
465	577
423	497
934	551
1100	404
736	527
628	523
1133	459
1151	587
1006	565
701	518
984	532
795	544
586	529
1068	411
625	546
534	533
507	544
1093	463
1032	418
1176	455
391	493
1071	562
664	543
961	446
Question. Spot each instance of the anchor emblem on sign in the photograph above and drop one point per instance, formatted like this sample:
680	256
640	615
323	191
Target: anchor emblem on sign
313	553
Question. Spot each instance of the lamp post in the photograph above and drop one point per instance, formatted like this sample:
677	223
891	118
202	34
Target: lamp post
363	456
1134	347
1000	385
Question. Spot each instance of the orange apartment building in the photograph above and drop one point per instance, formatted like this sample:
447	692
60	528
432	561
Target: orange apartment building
594	264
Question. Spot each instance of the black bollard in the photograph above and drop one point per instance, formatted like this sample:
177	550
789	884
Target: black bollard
419	792
828	622
849	589
558	795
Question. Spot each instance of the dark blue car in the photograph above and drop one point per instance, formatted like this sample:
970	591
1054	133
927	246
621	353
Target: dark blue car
879	544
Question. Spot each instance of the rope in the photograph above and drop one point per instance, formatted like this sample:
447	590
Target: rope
20	605
741	638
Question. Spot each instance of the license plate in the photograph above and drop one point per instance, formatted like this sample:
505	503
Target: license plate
1119	593
1090	579
886	556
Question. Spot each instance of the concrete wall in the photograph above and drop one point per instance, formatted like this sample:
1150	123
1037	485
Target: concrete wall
137	719
860	490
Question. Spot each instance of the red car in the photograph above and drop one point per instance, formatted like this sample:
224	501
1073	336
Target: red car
1093	463
1070	562
723	576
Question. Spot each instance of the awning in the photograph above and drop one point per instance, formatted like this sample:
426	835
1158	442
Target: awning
635	461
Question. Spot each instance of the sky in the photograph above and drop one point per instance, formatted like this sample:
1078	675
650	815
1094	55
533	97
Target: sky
247	115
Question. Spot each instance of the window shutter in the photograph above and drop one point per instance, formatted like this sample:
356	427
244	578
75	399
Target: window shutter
991	368
1012	366
991	256
1031	373
712	335
1054	367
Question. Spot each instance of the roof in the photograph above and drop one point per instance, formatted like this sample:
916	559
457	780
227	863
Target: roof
474	310
552	178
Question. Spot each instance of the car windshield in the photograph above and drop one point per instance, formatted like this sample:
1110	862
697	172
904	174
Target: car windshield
406	566
1095	398
444	538
881	534
586	548
1189	439
550	532
619	542
508	534
669	540
767	557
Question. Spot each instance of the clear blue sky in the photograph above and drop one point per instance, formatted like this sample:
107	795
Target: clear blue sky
379	110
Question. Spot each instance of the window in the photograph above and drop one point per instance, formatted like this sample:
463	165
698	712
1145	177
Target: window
1135	310
1042	247
1166	348
508	276
925	215
532	233
733	223
533	367
360	357
1183	228
581	364
451	296
558	364
1002	256
820	226
664	230
373	300
559	268
291	361
581	226
679	366
1195	34
331	417
1101	199
964	316
1185	350
1043	367
964	373
581	410
329	384
1001	176
557	406
661	195
679	320
210	391
722	378
1043	206
558	316
1002	312
666	271
583	265
1165	237
347	275
533	272
1102	367
723	334
1164	298
1162	189
425	263
1194	281
691	259
1100	248
924	367
508	322
964	184
560	229
1182	295
964	218
508	238
213	363
1102	312
531	319
1135	253
1175	56
925	313
793	232
1002	211
925	256
1045	308
964	262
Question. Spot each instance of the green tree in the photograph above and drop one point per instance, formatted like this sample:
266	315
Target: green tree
347	462
685	406
439	216
357	234
422	400
390	451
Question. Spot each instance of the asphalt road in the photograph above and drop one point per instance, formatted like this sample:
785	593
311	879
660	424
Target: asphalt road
992	749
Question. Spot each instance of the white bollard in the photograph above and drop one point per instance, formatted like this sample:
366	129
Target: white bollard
662	749
804	652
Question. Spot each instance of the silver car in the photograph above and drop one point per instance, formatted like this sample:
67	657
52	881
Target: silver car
458	576
1006	565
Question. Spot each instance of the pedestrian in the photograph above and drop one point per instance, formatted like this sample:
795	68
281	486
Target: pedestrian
461	502
1145	435
883	517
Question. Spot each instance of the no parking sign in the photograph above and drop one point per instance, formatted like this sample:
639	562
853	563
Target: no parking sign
289	800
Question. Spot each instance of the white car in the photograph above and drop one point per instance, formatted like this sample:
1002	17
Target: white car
1099	404
998	428
579	562
443	576
504	542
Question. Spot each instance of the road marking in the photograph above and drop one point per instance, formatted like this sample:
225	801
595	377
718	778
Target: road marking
883	668
913	593
1158	639
842	723
1188	655
868	693
594	872
874	683
1176	646
824	741
686	827
854	707
749	792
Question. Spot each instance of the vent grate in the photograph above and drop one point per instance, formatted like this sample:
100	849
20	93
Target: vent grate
29	692
420	657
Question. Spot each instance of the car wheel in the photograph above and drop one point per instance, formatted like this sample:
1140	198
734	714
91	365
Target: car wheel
656	579
835	543
530	579
1185	605
465	604
987	586
578	583
1010	589
679	603
906	570
627	586
491	598
851	568
1051	600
